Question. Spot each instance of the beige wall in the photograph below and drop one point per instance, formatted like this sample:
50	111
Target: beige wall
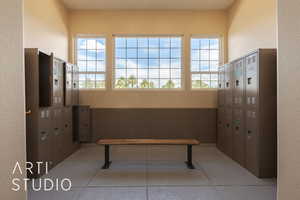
12	107
288	99
251	25
46	26
185	23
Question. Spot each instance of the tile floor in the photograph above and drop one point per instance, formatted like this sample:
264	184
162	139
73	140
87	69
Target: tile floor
156	173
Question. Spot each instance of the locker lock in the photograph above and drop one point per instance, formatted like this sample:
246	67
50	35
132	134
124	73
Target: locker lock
227	125
249	81
237	128
249	133
227	84
237	82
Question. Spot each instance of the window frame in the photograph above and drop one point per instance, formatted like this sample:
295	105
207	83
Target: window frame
183	71
221	59
92	36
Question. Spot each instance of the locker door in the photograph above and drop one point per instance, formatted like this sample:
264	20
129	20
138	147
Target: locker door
252	145
239	136
221	83
57	135
252	81
58	82
44	139
68	136
68	84
228	132
75	84
228	84
221	129
238	83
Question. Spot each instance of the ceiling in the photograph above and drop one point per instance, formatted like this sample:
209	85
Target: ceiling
147	4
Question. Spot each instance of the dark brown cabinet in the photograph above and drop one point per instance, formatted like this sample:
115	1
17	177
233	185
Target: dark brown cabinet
250	94
82	127
49	130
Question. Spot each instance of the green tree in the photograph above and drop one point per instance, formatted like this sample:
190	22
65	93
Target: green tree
145	84
169	84
199	84
131	81
121	83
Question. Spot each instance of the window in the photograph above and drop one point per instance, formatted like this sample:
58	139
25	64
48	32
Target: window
148	62
91	62
205	58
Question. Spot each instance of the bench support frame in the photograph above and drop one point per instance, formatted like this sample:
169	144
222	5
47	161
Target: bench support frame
106	155
189	161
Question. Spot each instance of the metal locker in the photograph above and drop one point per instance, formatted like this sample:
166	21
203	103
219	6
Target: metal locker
252	141
221	129
228	84
252	80
228	132
221	84
238	83
238	128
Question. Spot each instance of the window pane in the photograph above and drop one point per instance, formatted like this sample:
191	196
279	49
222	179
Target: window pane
164	43
175	53
147	62
214	44
195	55
153	43
120	42
81	43
131	63
143	42
120	73
214	55
195	66
81	55
131	53
153	53
142	73
91	44
204	54
195	43
175	42
131	42
175	63
100	44
204	66
100	55
143	63
204	44
121	53
164	63
121	63
143	53
165	53
91	66
153	63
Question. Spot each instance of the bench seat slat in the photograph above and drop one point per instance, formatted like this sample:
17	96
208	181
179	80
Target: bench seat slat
148	142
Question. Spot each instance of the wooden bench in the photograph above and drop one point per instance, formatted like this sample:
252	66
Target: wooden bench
188	142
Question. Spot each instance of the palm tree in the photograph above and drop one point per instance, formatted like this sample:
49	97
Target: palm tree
145	84
199	84
131	81
169	84
121	83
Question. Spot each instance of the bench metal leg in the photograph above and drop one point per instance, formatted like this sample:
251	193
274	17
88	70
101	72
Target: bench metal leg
106	155
189	161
